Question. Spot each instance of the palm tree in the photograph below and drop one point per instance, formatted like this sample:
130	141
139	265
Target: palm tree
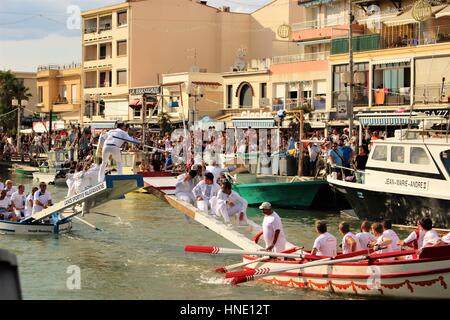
10	88
164	123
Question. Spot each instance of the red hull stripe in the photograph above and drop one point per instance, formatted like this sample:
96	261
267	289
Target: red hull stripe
365	276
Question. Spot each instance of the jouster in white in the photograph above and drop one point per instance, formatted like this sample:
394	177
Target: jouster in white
18	200
217	171
229	203
272	229
101	143
42	198
10	189
205	193
116	138
184	186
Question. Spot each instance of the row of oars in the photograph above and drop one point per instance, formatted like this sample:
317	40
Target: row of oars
252	274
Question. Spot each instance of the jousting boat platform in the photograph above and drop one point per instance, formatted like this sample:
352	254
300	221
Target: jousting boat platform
416	274
113	188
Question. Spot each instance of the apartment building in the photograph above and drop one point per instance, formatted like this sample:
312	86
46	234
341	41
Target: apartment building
59	91
400	63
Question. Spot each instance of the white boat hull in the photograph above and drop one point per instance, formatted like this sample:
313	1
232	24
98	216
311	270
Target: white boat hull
401	279
35	229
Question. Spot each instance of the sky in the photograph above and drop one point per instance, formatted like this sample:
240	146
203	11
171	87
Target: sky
44	32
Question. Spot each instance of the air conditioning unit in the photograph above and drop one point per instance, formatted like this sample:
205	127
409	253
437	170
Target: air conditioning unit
224	9
203	70
194	69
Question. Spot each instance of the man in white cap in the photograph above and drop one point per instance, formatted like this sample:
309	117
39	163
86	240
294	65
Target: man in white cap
272	229
229	203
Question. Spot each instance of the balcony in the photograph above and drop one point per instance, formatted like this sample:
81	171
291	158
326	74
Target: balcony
301	57
432	93
105	23
66	105
321	29
291	104
393	38
360	97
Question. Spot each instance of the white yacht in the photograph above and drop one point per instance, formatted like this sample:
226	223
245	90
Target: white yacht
406	177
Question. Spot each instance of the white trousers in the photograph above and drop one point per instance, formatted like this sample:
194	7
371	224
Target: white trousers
186	197
207	204
117	157
227	211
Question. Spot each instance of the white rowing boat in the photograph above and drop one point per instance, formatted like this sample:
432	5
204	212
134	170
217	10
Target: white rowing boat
425	275
39	229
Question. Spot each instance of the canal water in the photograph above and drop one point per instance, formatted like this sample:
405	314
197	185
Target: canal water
139	254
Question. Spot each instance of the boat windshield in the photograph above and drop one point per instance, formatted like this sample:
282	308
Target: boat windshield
445	157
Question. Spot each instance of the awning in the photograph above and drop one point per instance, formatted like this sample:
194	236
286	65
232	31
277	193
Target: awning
253	123
407	17
103	125
322	41
443	13
172	84
137	104
385	119
386	61
207	83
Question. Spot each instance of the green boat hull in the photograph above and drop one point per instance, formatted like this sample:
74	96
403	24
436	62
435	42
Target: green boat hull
25	172
299	194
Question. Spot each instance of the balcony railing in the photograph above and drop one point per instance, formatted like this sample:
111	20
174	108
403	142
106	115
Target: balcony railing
90	85
301	57
105	27
392	38
66	101
432	93
320	23
290	104
90	29
360	97
59	67
105	84
391	97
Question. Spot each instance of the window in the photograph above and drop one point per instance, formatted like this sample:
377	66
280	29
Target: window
122	48
121	77
40	94
445	157
137	113
398	154
380	153
263	90
245	96
75	94
419	156
229	96
121	18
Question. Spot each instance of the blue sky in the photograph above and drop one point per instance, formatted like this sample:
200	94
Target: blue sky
35	32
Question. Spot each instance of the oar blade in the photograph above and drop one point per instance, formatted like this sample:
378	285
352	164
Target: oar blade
221	270
202	249
238	280
243	273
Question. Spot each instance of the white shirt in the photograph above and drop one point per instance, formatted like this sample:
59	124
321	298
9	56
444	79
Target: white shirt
387	248
216	171
395	239
102	139
184	186
364	239
91	175
325	245
43	198
238	201
18	200
272	223
206	191
413	236
313	152
446	238
5	203
114	135
9	192
28	206
2	186
346	248
431	238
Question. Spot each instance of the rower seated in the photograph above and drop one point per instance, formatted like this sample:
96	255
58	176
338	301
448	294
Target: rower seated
325	244
18	200
382	244
350	242
431	238
415	238
205	193
446	238
365	237
391	234
6	212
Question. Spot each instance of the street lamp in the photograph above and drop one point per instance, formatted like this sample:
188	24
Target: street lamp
19	104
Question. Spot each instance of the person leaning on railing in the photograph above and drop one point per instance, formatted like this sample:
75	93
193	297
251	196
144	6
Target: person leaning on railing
359	163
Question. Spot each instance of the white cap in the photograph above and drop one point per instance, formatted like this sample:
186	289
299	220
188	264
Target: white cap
265	205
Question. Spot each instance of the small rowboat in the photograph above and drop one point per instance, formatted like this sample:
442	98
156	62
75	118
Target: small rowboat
17	228
427	275
25	170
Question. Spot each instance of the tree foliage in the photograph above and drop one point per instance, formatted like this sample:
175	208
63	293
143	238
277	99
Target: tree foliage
10	87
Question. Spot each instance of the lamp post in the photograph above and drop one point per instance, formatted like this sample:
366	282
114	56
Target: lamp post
19	104
195	92
350	65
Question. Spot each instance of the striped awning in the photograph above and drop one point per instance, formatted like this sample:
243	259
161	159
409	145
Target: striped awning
385	119
253	123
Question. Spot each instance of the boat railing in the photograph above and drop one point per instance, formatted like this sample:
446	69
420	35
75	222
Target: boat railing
357	176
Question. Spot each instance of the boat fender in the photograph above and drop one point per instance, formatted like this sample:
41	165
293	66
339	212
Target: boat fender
257	236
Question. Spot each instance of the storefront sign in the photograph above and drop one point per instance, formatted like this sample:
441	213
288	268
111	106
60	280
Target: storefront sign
342	106
147	90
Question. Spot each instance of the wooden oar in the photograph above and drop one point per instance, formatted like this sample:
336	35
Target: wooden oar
87	223
243	264
249	275
402	226
217	250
